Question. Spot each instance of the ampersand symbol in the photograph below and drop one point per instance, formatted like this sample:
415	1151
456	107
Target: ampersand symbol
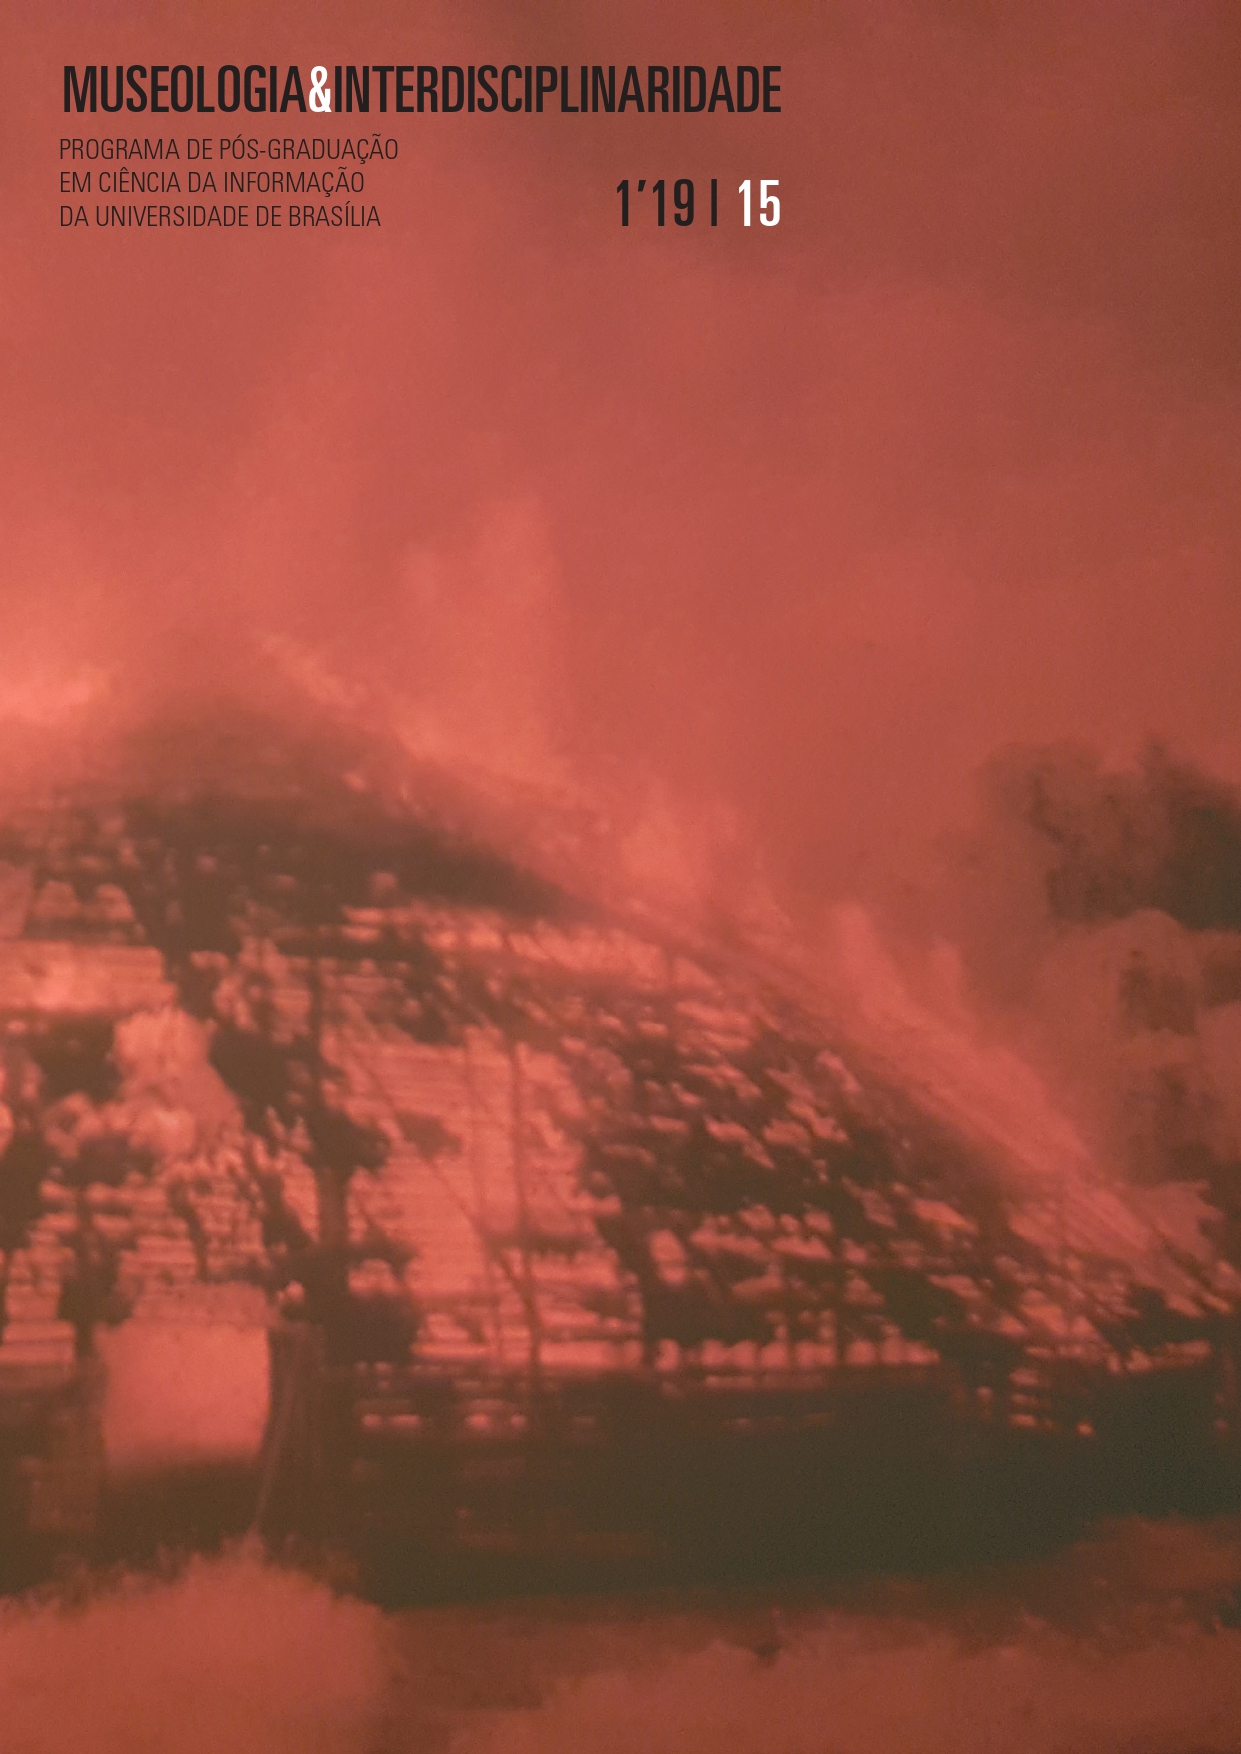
320	96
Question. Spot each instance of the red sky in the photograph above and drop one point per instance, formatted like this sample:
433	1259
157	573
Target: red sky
803	522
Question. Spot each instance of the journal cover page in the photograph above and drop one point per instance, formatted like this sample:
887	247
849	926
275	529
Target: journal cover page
620	876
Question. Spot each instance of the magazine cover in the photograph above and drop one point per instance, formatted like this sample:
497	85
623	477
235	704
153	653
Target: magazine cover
620	877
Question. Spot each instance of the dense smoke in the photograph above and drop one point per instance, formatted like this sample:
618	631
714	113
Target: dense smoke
718	562
714	567
1089	921
786	529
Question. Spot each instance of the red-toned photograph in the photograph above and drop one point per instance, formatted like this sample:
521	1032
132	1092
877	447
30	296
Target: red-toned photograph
620	878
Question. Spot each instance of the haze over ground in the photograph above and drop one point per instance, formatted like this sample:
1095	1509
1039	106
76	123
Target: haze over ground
767	538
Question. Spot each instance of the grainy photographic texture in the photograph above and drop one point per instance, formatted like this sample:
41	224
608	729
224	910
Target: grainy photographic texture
620	878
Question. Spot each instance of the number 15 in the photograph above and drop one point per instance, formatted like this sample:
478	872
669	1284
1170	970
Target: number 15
765	201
